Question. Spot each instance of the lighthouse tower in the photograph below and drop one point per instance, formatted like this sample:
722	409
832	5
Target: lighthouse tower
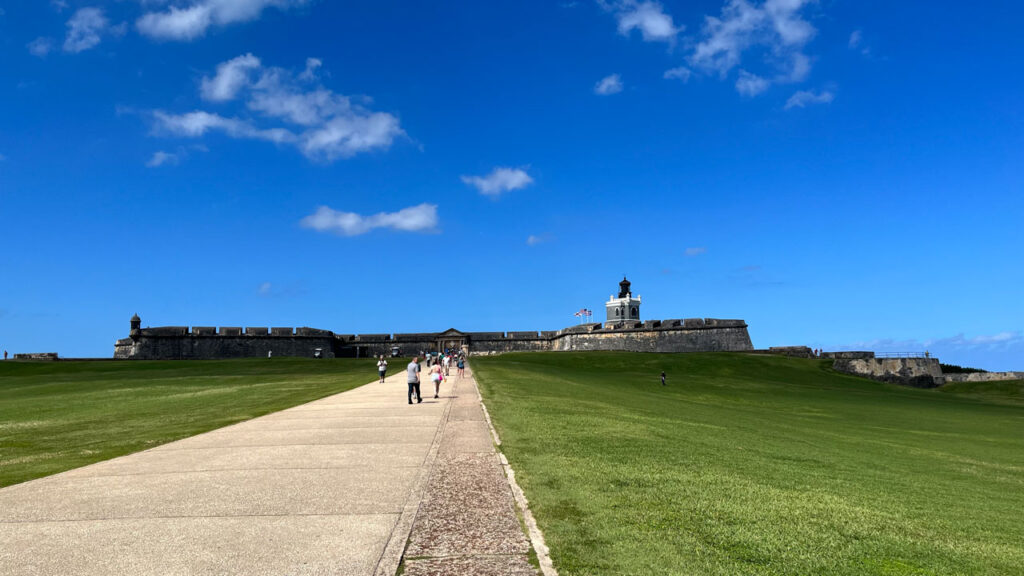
625	307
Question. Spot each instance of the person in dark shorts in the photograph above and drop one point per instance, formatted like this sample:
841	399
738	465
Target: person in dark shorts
382	367
662	377
413	371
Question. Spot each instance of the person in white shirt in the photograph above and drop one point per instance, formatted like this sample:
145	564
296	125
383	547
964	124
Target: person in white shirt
382	367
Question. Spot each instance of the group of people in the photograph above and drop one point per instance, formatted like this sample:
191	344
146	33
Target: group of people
438	366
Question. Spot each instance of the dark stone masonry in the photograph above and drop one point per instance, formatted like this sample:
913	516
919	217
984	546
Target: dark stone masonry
201	342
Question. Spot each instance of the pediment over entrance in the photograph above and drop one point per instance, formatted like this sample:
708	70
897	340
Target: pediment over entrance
451	332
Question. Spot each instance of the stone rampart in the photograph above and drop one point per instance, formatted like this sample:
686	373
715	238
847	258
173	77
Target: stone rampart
178	342
205	342
916	372
984	377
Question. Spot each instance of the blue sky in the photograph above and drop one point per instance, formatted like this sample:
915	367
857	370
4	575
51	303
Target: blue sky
839	174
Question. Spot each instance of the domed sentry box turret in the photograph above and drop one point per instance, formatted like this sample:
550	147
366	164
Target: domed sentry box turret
136	324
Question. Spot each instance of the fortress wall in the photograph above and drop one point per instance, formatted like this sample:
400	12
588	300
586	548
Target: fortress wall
916	372
194	347
983	376
733	339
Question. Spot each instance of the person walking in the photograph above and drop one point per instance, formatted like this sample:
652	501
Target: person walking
382	367
662	377
461	365
447	363
413	371
437	376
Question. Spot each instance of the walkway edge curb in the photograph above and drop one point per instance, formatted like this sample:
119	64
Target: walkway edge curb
394	550
547	567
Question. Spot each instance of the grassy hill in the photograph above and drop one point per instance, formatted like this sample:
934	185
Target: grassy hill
750	464
55	416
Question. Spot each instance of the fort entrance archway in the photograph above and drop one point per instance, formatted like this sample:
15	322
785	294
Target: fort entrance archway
450	339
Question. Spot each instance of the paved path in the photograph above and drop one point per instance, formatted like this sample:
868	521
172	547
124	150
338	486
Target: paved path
335	486
321	488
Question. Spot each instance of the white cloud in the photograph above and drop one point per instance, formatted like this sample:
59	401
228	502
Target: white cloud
681	73
40	47
611	84
422	218
499	180
191	21
85	29
533	239
323	125
804	97
231	77
161	158
312	65
696	251
855	39
751	84
265	289
647	17
776	26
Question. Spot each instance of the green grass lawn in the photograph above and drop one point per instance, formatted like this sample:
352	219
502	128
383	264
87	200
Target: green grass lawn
751	464
55	416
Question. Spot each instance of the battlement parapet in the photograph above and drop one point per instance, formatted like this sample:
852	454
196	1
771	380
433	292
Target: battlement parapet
848	355
256	330
282	331
672	323
415	337
373	338
165	331
306	331
522	335
230	331
204	330
693	323
486	335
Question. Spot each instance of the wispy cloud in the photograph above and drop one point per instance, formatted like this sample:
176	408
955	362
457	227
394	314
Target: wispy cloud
161	158
749	84
611	84
500	180
421	218
231	77
776	26
696	251
323	125
804	97
40	47
535	239
188	21
679	73
86	27
650	18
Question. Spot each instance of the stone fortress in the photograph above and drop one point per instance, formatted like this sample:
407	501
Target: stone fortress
623	330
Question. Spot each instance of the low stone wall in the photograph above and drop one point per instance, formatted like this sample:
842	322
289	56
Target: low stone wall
983	376
36	356
849	355
916	372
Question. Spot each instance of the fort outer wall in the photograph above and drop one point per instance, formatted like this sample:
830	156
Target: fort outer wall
207	343
667	336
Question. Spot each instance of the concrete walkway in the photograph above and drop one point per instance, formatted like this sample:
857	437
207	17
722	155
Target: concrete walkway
335	486
323	488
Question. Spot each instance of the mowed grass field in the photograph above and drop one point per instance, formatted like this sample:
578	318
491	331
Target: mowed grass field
55	416
750	464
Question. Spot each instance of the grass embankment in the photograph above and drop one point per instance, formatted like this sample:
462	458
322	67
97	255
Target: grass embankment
55	416
751	464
